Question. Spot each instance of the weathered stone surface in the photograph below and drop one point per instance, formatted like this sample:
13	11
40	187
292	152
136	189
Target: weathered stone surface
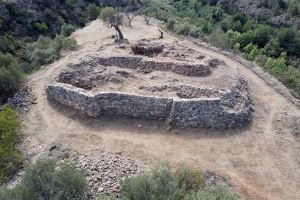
150	65
147	50
185	93
206	112
21	100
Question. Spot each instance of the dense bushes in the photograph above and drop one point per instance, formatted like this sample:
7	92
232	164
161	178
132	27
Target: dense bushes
10	75
18	59
179	184
42	27
43	181
46	50
93	11
8	44
254	37
21	24
10	156
67	29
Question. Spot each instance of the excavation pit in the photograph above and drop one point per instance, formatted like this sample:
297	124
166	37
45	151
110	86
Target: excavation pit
189	92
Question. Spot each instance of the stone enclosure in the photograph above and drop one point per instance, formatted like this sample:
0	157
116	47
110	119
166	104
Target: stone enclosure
156	81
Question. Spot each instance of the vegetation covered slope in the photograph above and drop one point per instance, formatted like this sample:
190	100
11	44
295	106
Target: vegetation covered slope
10	156
34	32
266	32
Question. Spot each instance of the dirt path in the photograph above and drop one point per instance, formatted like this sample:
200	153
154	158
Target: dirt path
261	160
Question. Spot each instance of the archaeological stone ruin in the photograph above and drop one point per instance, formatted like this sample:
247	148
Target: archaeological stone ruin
156	81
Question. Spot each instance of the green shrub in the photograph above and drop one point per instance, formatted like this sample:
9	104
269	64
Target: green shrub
291	78
236	26
251	51
187	179
182	28
262	35
273	48
276	65
158	185
179	184
246	38
261	59
294	8
217	14
93	11
10	75
232	37
8	44
51	15
236	47
218	38
106	13
218	193
64	43
46	50
248	25
289	40
207	27
106	197
42	52
67	29
225	24
43	181
171	24
195	32
41	27
10	156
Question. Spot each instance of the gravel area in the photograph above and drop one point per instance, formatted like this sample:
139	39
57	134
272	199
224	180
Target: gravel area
104	173
21	100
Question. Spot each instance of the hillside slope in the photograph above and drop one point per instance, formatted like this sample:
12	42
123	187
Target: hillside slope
260	160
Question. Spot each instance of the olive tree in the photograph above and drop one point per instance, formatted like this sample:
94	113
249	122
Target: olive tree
130	16
114	19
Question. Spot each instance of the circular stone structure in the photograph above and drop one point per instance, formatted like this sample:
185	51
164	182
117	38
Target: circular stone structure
176	84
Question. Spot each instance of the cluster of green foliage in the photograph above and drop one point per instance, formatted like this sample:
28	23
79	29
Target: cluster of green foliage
41	27
67	29
10	156
93	11
164	183
41	42
46	50
17	60
10	75
275	48
43	181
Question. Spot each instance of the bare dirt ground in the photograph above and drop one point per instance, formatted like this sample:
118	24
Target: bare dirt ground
262	160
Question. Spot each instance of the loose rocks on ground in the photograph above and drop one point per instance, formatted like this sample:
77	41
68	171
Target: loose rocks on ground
21	100
104	173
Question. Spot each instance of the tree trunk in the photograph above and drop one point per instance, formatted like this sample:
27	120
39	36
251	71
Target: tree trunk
121	37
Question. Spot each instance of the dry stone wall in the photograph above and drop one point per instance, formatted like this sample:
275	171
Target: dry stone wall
206	112
149	65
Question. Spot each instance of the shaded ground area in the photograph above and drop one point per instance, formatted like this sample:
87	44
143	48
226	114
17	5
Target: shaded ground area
261	161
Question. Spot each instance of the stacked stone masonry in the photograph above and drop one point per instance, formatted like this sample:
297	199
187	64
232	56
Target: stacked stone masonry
207	113
189	93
